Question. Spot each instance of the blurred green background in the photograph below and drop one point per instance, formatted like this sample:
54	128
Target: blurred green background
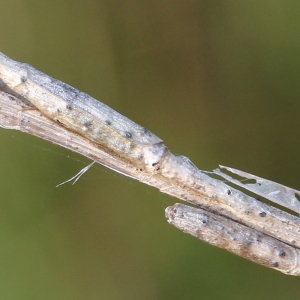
218	81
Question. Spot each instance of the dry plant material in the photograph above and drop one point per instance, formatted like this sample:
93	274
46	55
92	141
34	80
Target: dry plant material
35	103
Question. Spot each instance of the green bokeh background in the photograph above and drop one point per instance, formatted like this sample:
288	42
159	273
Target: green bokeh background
217	80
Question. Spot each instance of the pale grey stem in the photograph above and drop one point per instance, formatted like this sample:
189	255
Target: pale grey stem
54	111
236	238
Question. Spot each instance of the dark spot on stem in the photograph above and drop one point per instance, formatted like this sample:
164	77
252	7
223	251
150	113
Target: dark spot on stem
128	135
205	219
88	123
275	264
282	253
23	78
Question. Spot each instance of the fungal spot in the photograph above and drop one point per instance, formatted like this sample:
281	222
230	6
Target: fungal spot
205	219
69	106
68	89
282	253
58	110
23	78
107	122
128	135
262	214
275	264
88	123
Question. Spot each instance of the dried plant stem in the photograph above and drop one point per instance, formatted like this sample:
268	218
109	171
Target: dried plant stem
151	162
